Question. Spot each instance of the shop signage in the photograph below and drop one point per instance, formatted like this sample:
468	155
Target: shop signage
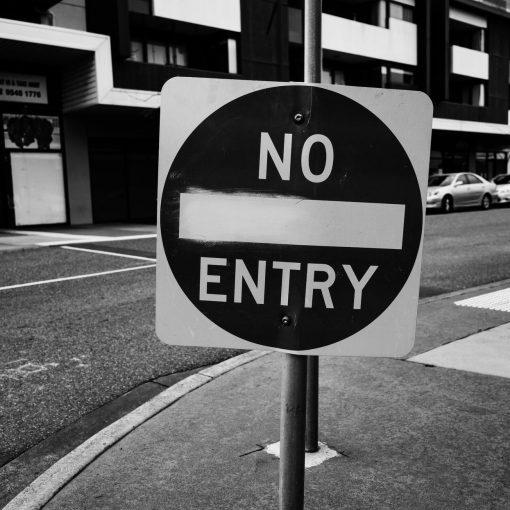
291	216
33	132
23	88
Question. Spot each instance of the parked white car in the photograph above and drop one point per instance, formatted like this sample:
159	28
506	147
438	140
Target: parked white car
450	191
502	183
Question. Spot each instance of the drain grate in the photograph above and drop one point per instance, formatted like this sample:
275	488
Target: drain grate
499	300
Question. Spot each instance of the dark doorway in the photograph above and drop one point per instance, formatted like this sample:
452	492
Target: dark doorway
123	176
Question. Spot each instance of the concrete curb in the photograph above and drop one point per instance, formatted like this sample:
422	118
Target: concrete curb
43	488
461	292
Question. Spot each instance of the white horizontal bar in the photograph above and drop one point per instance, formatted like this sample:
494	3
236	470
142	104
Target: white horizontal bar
217	217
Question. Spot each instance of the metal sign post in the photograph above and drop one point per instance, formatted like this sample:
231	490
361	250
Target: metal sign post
312	74
292	432
299	420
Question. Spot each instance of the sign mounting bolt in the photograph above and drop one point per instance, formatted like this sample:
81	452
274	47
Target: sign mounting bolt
299	118
286	320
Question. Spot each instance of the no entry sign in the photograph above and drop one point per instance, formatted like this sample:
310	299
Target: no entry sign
290	216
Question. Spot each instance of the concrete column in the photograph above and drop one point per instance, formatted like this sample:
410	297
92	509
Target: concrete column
77	170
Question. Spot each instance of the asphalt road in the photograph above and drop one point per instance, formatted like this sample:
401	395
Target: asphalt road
465	249
67	347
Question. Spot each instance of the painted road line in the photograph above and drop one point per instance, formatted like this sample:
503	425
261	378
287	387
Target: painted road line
114	254
50	234
487	352
498	300
290	221
97	239
78	277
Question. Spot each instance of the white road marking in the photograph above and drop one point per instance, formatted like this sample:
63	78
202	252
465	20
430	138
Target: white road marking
114	254
97	239
291	221
79	361
498	300
67	278
487	352
26	369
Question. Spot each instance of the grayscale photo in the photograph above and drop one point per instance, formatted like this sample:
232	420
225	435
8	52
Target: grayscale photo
255	254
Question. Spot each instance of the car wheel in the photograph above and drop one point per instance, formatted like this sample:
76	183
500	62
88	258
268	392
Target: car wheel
486	202
447	204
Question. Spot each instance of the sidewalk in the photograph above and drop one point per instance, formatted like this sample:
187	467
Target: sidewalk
410	435
52	236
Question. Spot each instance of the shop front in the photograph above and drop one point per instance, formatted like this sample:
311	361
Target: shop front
32	180
487	155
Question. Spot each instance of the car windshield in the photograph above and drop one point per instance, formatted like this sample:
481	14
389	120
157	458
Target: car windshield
502	179
441	180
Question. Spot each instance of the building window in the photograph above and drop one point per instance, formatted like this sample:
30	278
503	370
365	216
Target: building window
333	76
136	51
159	53
396	78
232	56
490	164
455	162
156	54
365	12
436	162
140	6
467	36
468	30
467	91
177	55
66	14
401	9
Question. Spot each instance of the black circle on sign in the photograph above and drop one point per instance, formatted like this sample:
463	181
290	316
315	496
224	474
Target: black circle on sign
222	156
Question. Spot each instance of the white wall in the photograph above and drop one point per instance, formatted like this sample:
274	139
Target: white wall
224	14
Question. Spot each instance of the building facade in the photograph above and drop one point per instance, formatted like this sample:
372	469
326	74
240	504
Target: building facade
80	82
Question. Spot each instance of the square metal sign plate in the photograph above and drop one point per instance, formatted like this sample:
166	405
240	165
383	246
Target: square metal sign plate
290	216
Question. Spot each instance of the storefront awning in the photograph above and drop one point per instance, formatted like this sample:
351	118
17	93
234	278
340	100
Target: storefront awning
83	57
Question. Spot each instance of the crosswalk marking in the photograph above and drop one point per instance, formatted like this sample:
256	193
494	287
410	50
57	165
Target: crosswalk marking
498	300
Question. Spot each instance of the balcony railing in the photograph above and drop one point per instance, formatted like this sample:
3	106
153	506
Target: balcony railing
398	43
223	14
468	62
